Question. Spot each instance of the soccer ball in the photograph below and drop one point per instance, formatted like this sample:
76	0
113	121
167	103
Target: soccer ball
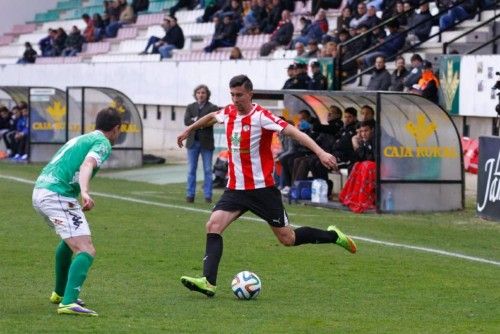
246	285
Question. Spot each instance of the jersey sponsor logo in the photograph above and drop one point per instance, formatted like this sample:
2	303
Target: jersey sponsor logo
235	139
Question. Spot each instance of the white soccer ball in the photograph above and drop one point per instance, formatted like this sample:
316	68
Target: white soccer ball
246	285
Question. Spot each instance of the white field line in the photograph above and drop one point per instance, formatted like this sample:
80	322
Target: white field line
186	208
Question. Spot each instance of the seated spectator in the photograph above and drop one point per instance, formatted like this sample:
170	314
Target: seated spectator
312	49
329	50
342	149
318	81
359	191
291	72
428	84
235	54
234	9
8	136
140	6
317	5
189	4
301	80
29	54
225	34
274	17
99	27
300	49
88	32
173	39
281	36
389	46
315	30
415	73
21	135
344	19
47	44
422	30
211	7
60	41
359	17
380	78
371	17
366	113
5	122
398	76
254	18
127	16
74	43
455	14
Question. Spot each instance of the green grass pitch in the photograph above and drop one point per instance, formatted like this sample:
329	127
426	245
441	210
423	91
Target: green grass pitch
146	238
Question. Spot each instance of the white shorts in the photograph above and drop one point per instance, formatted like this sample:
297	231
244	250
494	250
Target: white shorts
63	214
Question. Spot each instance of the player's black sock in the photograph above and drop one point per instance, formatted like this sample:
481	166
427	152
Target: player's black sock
213	253
310	235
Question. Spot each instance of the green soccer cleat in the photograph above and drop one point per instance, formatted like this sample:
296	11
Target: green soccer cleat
56	299
199	284
343	240
75	309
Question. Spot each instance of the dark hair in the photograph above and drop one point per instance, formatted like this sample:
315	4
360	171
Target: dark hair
417	57
369	123
351	111
107	119
241	80
205	87
22	105
85	16
336	110
368	107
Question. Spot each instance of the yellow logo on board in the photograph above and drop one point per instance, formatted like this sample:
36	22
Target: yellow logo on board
421	130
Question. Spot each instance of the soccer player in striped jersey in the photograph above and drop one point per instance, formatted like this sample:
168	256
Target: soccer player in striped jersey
55	195
249	129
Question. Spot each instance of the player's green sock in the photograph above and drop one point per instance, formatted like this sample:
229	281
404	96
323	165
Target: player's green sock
77	275
63	261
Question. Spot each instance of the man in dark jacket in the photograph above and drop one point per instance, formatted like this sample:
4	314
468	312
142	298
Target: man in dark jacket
174	39
301	80
281	36
74	43
225	34
380	79
29	55
319	81
422	30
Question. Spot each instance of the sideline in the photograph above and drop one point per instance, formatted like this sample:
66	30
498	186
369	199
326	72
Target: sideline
180	207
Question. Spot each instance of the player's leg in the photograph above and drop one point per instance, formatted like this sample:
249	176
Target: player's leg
64	254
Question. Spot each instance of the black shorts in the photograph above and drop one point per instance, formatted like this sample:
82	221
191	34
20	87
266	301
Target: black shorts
264	202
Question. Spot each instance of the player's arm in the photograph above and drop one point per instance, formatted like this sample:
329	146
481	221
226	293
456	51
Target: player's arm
326	158
206	121
85	175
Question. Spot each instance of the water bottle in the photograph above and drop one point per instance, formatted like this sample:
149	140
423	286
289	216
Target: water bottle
389	202
319	191
323	194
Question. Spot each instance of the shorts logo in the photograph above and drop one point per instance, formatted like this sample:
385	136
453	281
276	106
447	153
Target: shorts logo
77	220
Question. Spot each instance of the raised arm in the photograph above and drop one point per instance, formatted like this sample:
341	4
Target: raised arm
326	158
205	121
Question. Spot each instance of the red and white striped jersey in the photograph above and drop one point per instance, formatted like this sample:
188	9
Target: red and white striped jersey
249	137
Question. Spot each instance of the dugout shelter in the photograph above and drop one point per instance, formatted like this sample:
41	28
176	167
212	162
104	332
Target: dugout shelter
419	157
56	116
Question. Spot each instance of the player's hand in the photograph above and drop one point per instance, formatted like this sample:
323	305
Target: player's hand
87	202
328	160
181	138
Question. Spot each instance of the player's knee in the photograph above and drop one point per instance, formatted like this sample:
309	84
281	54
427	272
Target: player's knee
287	239
213	226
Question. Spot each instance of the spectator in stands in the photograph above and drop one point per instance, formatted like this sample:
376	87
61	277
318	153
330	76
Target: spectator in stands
360	16
342	148
29	54
189	4
211	7
140	6
389	46
366	113
60	41
173	39
312	49
418	20
380	79
99	27
428	84
359	191
318	81
127	16
199	142
225	34
415	73
254	18
21	136
317	5
329	50
315	30
46	44
344	19
281	36
371	17
291	72
111	11
458	13
233	8
74	43
154	41
300	49
274	17
88	32
398	76
235	54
